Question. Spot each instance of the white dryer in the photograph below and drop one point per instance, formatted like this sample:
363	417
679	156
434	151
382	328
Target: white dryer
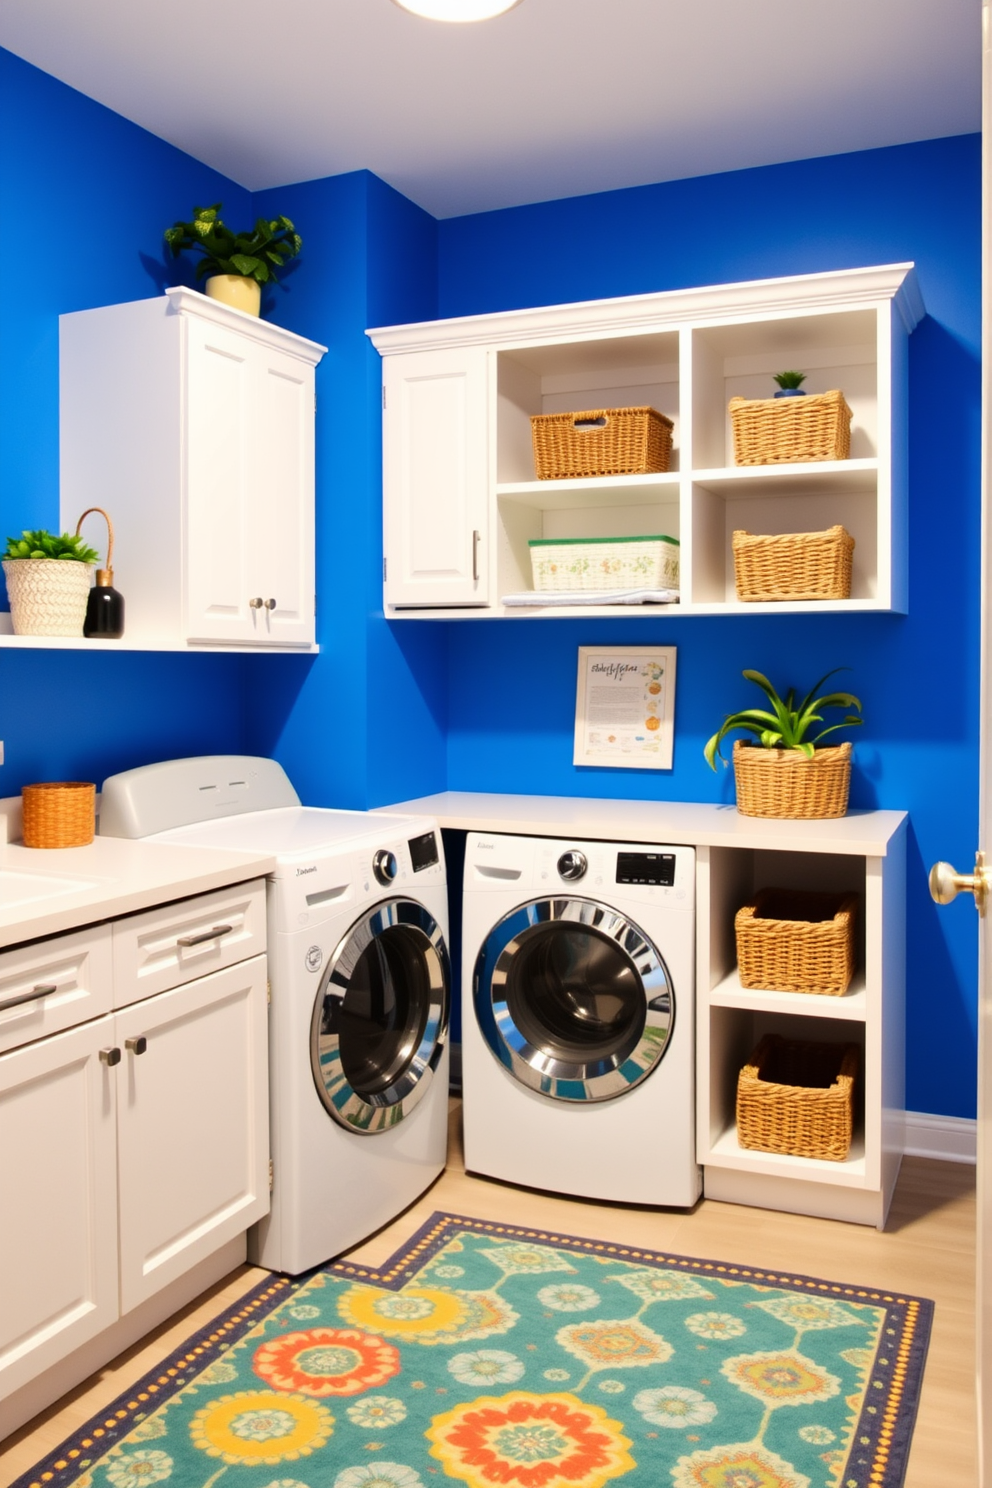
577	1023
360	987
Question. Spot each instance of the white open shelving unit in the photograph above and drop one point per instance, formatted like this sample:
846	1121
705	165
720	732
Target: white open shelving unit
460	496
863	853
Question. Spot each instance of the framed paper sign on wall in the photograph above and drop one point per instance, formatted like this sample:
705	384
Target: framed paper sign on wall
625	707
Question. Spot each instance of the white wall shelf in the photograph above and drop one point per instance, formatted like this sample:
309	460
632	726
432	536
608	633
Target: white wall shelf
853	1004
461	501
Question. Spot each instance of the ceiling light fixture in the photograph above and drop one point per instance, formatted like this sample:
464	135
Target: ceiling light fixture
457	10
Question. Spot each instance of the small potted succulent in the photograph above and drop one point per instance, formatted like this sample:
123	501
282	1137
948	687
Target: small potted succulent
235	265
784	771
48	582
790	384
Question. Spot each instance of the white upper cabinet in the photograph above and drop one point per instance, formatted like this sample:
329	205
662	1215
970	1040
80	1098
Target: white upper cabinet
436	477
461	497
193	425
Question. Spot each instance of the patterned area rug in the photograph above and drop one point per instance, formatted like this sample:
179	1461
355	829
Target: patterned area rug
496	1357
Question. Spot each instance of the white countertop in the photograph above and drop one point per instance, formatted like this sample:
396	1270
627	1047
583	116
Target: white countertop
682	823
46	891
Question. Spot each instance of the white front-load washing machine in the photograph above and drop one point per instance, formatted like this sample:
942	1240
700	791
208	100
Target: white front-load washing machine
357	919
577	1017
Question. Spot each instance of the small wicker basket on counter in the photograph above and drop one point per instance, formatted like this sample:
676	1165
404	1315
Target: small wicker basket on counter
59	813
785	784
793	565
797	1097
781	431
790	940
601	441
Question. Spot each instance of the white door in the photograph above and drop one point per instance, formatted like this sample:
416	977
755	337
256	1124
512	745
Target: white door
436	514
58	1190
281	510
193	1141
219	370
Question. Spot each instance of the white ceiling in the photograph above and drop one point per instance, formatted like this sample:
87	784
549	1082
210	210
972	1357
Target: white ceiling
556	98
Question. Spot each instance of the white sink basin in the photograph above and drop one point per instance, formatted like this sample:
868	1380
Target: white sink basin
23	888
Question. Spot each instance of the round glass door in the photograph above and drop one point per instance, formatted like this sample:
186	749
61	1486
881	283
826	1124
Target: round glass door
381	1017
573	999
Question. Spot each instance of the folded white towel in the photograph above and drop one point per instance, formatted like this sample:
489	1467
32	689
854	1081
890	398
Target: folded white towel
538	598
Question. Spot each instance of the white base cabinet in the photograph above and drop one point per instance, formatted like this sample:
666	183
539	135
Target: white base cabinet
133	1147
461	500
192	424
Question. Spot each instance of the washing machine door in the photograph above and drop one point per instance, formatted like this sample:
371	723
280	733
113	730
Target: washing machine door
573	999
380	1019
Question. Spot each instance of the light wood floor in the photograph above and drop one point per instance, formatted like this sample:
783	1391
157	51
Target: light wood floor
928	1249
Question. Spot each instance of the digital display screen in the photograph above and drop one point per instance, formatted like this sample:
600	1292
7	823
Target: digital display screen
423	851
646	868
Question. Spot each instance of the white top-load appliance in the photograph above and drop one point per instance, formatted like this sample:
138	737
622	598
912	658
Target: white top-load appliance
359	985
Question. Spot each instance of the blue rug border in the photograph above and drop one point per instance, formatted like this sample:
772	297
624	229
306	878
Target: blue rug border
881	1440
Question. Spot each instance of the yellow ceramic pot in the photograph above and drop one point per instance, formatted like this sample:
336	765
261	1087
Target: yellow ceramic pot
236	291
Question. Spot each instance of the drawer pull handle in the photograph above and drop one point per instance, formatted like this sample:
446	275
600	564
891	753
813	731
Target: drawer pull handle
110	1057
137	1045
214	934
476	539
43	989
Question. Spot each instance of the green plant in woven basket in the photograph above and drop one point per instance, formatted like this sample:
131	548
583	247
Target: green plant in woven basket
790	381
250	255
42	544
786	724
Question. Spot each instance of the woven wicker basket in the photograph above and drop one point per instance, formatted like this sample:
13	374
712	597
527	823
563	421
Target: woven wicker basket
797	1097
59	813
601	441
779	431
793	565
785	784
792	941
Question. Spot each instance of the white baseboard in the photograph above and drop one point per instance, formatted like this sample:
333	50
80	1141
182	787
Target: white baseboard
949	1138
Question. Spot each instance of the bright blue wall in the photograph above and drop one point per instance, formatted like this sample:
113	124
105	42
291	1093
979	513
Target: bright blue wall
84	198
918	674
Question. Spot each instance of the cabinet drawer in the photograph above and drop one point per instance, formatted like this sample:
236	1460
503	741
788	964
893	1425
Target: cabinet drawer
54	984
174	944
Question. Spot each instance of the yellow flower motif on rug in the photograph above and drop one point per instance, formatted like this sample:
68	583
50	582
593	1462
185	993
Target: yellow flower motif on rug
522	1440
739	1466
785	1378
612	1343
259	1426
429	1315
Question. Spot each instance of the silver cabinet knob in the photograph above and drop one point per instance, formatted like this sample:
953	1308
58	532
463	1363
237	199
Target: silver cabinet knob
946	883
136	1045
270	604
256	603
572	865
110	1057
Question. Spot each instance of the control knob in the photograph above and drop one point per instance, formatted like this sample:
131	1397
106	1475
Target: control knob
384	866
572	865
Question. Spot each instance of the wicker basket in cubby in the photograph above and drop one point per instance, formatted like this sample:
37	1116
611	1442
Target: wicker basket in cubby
793	565
796	1096
601	441
789	940
781	431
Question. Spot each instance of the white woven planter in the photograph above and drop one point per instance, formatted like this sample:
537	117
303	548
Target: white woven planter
47	595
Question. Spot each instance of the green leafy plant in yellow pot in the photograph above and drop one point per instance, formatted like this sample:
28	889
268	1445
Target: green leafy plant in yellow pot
235	265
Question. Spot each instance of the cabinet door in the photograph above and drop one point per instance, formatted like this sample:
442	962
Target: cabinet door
219	447
436	523
193	1131
281	535
58	1182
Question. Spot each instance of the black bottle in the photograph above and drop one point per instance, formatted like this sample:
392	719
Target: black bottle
104	609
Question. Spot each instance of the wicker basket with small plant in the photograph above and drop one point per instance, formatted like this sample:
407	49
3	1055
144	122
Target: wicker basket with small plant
48	582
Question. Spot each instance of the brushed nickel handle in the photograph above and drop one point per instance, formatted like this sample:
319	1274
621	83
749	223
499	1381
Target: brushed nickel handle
270	604
136	1045
256	603
476	539
110	1057
214	934
42	990
946	883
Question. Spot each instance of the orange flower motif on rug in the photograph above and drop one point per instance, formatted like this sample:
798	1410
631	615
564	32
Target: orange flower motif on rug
522	1440
326	1361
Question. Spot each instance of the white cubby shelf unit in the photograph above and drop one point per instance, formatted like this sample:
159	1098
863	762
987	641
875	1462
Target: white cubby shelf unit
863	853
461	499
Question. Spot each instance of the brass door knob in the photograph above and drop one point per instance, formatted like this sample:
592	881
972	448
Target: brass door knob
946	883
